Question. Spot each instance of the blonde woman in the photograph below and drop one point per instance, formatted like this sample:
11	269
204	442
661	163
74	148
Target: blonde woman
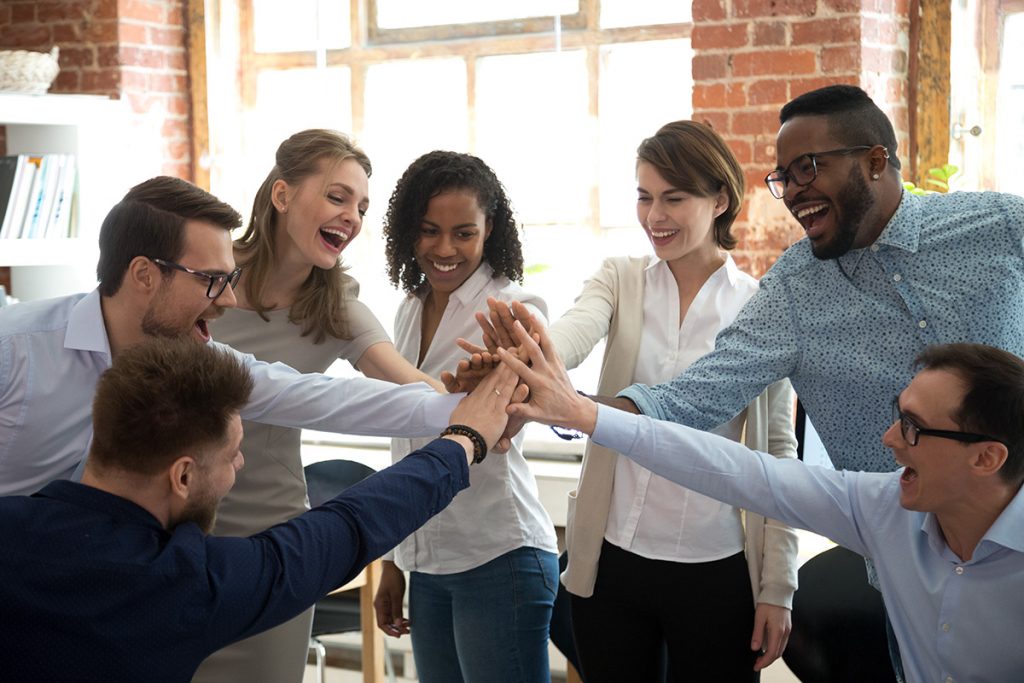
296	305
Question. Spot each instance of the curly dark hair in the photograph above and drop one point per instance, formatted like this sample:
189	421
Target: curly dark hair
429	176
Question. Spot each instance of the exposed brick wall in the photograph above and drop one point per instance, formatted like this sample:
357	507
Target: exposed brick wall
127	49
753	56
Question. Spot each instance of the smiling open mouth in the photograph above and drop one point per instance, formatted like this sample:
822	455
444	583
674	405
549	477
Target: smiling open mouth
335	238
909	474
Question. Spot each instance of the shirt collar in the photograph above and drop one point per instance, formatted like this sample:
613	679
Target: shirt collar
1008	529
903	231
86	329
1006	532
469	290
731	270
93	498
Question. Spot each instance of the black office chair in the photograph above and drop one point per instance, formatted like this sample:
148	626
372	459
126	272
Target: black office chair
338	612
838	623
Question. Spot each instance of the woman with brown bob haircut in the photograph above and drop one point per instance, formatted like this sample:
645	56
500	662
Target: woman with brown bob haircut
653	566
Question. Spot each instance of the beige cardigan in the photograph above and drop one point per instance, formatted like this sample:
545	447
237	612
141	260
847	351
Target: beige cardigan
611	306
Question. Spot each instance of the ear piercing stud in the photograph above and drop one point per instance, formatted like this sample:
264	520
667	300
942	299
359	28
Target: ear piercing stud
874	176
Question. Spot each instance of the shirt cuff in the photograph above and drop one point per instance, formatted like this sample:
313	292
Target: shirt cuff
439	409
643	397
615	429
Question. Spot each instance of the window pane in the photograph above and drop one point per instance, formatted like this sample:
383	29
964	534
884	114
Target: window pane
1010	108
288	101
534	130
616	13
293	26
411	13
643	86
412	107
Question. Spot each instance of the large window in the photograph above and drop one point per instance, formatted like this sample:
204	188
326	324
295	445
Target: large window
554	94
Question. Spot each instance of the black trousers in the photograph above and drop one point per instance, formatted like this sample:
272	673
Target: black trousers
700	614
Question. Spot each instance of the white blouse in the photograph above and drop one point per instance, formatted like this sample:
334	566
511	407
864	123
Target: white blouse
501	510
649	515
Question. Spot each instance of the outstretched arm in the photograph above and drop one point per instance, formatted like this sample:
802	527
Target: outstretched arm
383	361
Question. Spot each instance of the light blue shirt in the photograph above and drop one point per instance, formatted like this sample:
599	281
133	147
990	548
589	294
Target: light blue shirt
53	352
947	268
955	621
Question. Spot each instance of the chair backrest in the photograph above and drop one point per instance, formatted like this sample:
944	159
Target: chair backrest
328	478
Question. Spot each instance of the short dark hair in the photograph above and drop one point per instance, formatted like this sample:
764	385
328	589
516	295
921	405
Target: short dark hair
430	175
993	402
692	157
853	117
162	398
150	222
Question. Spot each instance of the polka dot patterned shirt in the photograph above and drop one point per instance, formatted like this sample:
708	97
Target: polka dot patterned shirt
947	268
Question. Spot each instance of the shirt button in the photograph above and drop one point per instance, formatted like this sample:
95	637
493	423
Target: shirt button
959	570
945	628
874	247
922	324
897	277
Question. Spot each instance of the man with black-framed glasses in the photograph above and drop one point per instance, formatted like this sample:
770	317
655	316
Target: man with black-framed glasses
165	269
946	532
882	274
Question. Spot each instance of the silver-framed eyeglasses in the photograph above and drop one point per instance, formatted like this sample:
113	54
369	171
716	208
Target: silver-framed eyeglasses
216	282
912	432
803	170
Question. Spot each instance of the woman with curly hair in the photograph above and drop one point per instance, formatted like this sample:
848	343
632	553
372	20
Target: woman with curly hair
296	305
484	572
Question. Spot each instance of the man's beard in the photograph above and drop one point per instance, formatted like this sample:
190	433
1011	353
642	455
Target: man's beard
151	324
851	206
153	327
203	513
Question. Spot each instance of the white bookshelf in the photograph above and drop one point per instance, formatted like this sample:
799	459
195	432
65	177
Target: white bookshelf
92	128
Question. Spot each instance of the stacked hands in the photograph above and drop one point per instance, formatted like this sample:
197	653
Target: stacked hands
516	378
515	341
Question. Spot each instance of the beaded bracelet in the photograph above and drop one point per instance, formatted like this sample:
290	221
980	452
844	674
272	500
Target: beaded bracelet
479	444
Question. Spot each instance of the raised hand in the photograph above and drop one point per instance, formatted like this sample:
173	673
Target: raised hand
470	371
552	397
485	408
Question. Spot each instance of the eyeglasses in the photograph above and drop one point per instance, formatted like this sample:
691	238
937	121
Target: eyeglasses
912	432
803	170
218	282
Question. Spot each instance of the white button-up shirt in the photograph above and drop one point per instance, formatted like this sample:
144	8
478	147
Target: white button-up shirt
501	510
53	352
649	515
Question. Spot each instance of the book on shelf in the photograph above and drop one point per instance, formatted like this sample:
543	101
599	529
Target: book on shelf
8	173
41	200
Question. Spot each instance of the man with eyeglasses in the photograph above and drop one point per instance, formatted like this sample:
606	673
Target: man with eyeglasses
882	274
165	269
946	532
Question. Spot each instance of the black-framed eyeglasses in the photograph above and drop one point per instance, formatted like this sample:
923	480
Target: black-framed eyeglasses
912	432
217	282
803	170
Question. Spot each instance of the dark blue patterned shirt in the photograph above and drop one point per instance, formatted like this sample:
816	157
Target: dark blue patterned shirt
947	268
94	589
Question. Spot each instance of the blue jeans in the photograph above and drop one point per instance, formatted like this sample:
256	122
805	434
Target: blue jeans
485	625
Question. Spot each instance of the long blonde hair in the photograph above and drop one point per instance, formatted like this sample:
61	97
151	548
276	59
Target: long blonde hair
319	308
